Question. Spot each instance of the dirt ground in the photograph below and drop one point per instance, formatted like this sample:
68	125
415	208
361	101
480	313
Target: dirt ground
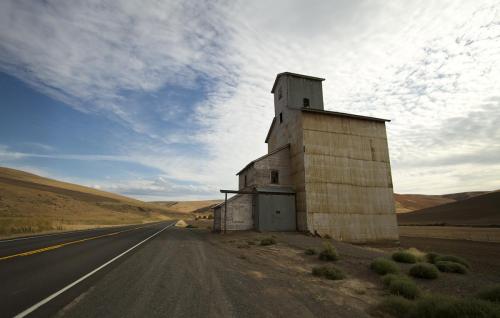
362	288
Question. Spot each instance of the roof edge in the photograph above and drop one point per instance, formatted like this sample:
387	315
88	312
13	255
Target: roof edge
332	113
269	131
263	157
296	75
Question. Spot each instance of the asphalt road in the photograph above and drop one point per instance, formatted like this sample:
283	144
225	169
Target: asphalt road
34	268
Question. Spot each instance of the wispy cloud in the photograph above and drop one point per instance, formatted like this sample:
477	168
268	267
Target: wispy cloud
432	67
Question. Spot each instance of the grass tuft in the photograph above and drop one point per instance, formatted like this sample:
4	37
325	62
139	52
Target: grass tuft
404	257
423	270
490	294
383	266
404	287
328	272
452	258
396	306
329	253
310	251
268	241
431	257
389	278
451	267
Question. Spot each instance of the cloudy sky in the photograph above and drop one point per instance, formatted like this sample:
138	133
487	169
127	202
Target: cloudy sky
161	100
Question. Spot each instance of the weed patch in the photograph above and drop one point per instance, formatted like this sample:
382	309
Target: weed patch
268	241
384	266
329	253
404	257
452	258
451	267
310	251
328	272
490	294
423	270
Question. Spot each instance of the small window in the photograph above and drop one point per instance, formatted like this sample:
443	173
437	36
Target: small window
281	118
280	93
275	177
278	212
245	180
306	102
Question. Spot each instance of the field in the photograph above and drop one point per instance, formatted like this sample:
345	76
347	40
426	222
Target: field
32	204
201	206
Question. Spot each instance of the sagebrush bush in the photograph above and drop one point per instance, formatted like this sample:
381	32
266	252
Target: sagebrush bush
431	257
468	307
329	253
396	306
389	278
452	258
268	241
404	257
423	270
451	267
404	287
384	266
328	271
310	251
491	294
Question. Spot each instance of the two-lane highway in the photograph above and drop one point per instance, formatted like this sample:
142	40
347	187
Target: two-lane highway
40	274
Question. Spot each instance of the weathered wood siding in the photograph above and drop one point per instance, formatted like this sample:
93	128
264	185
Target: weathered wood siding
239	214
259	174
348	178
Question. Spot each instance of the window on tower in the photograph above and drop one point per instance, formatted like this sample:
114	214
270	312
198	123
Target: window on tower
306	102
281	118
275	177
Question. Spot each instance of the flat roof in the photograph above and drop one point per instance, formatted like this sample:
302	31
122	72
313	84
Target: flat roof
296	75
331	113
264	156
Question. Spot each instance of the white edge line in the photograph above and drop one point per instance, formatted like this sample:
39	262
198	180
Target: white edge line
66	232
54	295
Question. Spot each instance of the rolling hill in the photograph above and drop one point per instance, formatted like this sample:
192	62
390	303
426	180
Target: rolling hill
202	206
476	210
411	202
33	204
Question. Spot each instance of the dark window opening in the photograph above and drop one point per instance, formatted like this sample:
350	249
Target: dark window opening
275	177
281	118
278	212
280	93
306	102
245	182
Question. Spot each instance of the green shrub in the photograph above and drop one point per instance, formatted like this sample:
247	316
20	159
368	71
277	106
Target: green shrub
404	257
396	306
431	257
268	241
329	253
191	226
328	271
452	258
428	306
468	307
310	251
491	294
404	287
423	270
384	266
451	267
389	278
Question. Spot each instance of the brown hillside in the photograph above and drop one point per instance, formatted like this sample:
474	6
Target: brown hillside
411	202
32	204
480	210
201	206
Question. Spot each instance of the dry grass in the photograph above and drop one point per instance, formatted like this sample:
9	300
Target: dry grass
32	204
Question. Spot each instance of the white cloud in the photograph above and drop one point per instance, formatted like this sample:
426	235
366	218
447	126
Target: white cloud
432	67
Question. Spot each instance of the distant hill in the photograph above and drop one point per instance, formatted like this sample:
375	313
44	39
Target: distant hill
411	202
202	206
31	204
476	210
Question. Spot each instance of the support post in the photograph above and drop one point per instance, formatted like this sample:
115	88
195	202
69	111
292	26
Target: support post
225	214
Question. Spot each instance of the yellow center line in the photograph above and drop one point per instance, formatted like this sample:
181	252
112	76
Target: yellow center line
53	247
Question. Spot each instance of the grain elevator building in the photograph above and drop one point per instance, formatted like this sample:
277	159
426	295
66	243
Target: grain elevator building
325	172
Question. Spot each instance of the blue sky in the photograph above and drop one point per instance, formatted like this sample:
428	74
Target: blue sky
167	100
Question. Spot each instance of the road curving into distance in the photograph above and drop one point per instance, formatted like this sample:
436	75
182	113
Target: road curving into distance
41	274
